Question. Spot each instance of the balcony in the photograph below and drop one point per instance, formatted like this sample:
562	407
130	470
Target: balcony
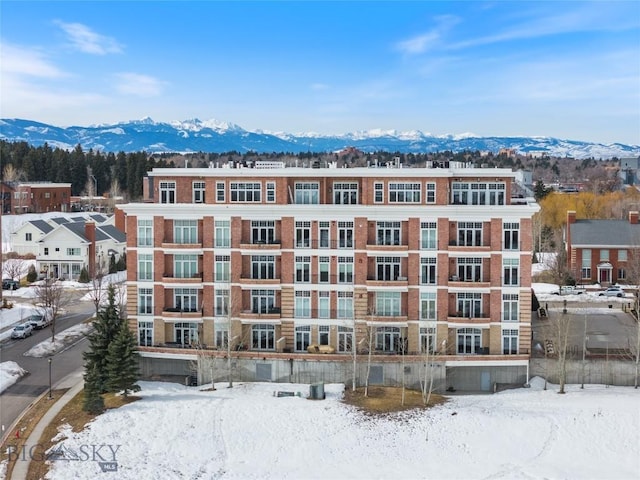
196	278
395	247
186	314
455	281
262	245
454	246
260	281
170	245
460	318
271	314
398	281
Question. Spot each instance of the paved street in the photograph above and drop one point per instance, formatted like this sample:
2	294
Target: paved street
20	395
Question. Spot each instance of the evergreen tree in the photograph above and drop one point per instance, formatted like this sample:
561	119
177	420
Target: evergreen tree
32	275
106	327
122	362
122	263
93	401
84	275
112	263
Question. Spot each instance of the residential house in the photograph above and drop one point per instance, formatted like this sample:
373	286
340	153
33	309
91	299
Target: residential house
26	239
273	260
603	251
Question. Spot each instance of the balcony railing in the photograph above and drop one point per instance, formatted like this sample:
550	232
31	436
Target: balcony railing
172	278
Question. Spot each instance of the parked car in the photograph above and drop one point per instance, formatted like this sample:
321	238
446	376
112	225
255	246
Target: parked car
22	331
9	284
613	291
569	290
39	321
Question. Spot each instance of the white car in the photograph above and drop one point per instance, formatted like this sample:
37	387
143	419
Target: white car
22	331
614	291
39	321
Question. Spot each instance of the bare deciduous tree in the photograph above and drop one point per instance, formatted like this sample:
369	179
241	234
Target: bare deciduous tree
98	285
51	296
14	268
556	334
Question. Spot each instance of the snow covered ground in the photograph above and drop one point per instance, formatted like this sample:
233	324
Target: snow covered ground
63	340
10	373
246	432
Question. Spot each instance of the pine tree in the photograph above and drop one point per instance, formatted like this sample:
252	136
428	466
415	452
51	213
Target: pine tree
32	275
106	327
122	362
112	263
93	401
84	275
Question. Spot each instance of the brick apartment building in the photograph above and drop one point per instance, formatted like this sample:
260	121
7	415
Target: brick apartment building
37	197
274	259
603	251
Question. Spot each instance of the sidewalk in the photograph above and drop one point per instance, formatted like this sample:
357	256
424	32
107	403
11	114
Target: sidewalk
75	383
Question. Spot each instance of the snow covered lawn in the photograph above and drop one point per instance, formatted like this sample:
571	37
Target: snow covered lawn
63	339
10	373
247	432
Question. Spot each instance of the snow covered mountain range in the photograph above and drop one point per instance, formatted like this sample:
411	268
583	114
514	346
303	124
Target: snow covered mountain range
212	136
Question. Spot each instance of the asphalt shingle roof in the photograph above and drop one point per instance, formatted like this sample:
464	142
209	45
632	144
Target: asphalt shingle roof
612	233
114	233
41	225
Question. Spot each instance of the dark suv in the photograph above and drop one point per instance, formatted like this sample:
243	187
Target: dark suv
9	284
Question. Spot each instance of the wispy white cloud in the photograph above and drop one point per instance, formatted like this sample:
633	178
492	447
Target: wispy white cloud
18	60
140	85
428	40
319	86
86	40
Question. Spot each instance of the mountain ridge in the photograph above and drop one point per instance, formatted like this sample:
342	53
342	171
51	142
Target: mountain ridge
213	136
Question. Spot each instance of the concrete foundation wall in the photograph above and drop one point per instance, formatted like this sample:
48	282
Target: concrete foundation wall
596	371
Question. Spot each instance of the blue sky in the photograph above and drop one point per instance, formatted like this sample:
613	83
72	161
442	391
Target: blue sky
563	69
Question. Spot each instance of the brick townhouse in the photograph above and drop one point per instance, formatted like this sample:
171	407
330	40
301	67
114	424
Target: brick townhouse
275	259
603	250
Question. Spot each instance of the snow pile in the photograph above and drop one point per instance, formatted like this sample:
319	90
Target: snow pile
247	432
10	373
63	339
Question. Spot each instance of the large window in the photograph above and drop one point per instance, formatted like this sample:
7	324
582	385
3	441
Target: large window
167	192
222	302
271	192
586	263
469	269
345	234
345	339
324	235
431	192
469	234
263	231
145	267
378	193
307	193
428	306
186	333
145	301
324	305
511	235
73	251
222	268
404	192
345	304
198	192
387	268
388	304
604	254
388	233
510	307
469	340
428	271
145	233
263	267
246	192
345	193
185	231
428	235
470	305
388	339
345	269
185	299
427	340
510	271
263	301
145	333
477	193
221	334
323	334
185	266
303	337
303	234
510	342
220	193
303	304
263	336
323	269
223	233
303	269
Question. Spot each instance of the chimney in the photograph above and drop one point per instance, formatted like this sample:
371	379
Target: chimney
90	233
571	217
633	218
120	221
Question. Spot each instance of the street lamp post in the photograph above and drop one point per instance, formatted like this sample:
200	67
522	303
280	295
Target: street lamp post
49	378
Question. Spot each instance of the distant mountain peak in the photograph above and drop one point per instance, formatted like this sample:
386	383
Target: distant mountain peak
193	135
